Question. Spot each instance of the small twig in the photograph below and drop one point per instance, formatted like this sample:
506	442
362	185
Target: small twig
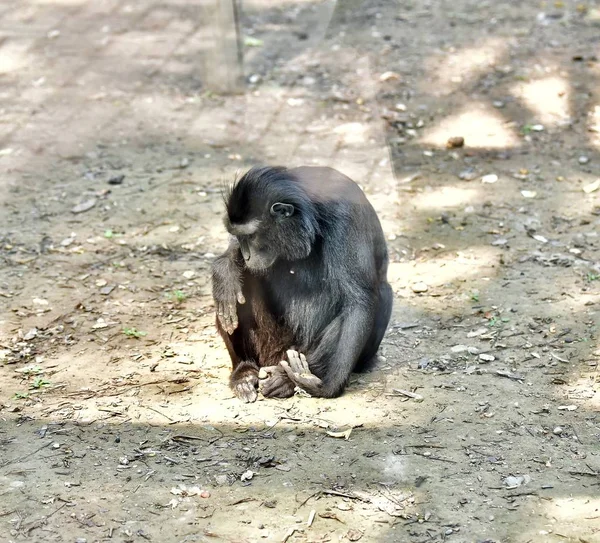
524	493
343	495
289	534
408	394
439	458
585	473
428	446
157	411
509	375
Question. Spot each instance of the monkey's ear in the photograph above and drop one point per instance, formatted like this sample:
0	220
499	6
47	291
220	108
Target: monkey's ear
282	210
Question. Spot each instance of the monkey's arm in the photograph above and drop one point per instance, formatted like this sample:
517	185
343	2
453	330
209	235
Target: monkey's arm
330	364
227	286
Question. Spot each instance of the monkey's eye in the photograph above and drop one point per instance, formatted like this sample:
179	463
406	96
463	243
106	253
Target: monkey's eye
279	209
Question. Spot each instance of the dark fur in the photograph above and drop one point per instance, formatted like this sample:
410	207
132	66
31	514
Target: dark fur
314	281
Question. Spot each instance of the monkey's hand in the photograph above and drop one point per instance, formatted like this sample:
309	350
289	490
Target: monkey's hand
298	371
226	302
275	383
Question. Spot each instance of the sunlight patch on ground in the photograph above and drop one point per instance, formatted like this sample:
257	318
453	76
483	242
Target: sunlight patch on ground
465	64
585	391
13	56
444	197
578	518
58	2
352	133
594	126
445	268
548	98
480	126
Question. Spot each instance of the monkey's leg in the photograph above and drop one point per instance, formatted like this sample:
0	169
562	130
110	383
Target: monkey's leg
244	375
332	360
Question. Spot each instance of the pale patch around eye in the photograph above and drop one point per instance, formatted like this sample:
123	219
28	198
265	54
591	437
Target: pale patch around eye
244	229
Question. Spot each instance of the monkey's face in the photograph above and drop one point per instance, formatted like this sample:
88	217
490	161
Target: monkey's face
263	241
257	255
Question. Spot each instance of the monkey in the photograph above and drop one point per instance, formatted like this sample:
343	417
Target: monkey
301	293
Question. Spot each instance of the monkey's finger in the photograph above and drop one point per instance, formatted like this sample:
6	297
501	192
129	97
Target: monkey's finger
221	316
290	371
232	318
295	361
304	364
240	298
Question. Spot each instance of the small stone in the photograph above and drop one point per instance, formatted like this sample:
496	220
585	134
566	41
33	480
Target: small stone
459	348
247	475
419	288
558	430
583	159
489	178
83	207
468	175
498	104
591	187
487	357
538	128
116	180
454	142
124	461
189	274
389	76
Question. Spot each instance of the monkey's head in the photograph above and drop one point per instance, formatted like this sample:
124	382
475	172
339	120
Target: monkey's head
271	217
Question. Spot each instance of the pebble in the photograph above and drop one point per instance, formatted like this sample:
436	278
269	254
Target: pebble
487	357
558	430
583	159
419	287
489	178
116	180
83	207
456	141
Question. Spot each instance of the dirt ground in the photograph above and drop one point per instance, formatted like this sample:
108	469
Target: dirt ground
116	422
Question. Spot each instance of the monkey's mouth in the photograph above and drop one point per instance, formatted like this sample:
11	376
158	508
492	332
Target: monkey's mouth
260	265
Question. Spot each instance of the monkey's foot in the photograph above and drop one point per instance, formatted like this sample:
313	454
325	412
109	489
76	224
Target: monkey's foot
298	371
244	383
275	383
